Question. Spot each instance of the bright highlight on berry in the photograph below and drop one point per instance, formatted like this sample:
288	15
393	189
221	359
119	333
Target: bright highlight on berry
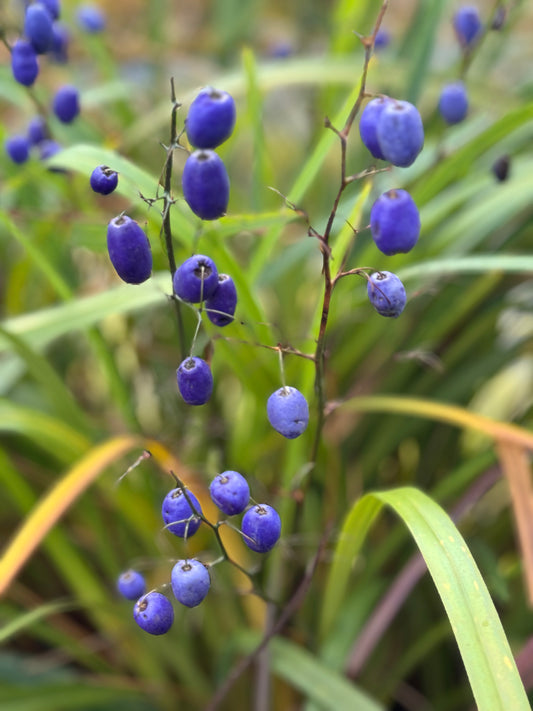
288	412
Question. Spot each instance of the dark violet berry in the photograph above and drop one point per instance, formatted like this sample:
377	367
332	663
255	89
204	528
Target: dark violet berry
154	613
196	279
220	306
66	103
261	528
288	412
368	125
190	582
230	492
91	18
53	7
205	184
103	180
129	250
453	102
195	381
60	41
467	25
17	148
211	118
38	27
395	222
37	130
501	167
131	585
24	63
386	294
400	133
179	517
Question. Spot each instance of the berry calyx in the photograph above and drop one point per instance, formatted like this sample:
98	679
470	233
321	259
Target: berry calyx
453	102
205	184
400	133
288	412
261	528
190	582
103	180
221	305
154	613
129	250
178	515
196	279
230	492
386	294
195	380
211	118
131	584
395	222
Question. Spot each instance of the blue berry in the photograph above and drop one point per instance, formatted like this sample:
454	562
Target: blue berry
205	184
220	306
154	613
53	7
382	39
60	41
103	180
261	528
190	582
211	118
38	27
49	148
129	250
195	381
386	294
66	103
91	18
24	63
18	148
196	279
37	130
395	222
467	25
179	517
131	585
400	133
288	412
230	492
453	102
368	125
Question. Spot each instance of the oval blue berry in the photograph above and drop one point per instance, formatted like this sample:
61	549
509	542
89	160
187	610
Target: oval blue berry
154	613
38	27
395	222
453	102
190	582
131	585
288	412
180	519
17	148
205	184
261	528
66	103
221	305
230	492
24	63
386	294
103	180
211	118
196	279
129	250
91	18
400	133
368	125
195	381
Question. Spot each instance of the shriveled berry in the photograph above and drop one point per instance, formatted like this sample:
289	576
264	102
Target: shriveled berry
230	492
131	584
154	613
211	118
453	102
17	148
386	294
368	125
395	222
467	25
190	582
180	519
220	306
400	133
196	279
91	18
24	63
129	250
38	27
195	381
66	103
103	180
205	184
261	528
288	412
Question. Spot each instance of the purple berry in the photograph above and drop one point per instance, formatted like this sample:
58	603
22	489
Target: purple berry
205	184
395	222
400	133
211	118
154	613
220	306
195	381
261	528
91	18
103	180
196	279
24	63
38	27
131	585
179	517
467	25
66	103
37	130
129	250
190	582
368	125
453	102
386	294
288	412
17	148
230	492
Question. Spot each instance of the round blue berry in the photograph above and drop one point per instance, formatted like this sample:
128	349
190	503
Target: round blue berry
24	62
103	180
17	148
261	528
129	250
131	585
38	27
66	103
37	130
368	125
190	582
453	102
220	306
386	294
288	412
382	39
467	25
154	613
195	381
179	517
196	279
211	118
230	492
395	222
400	133
91	18
205	184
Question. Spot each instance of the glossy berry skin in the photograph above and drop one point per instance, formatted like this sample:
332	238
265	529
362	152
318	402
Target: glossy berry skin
190	582
230	492
24	62
221	305
453	102
131	585
195	381
386	294
103	180
288	412
368	125
66	103
37	130
17	148
395	222
205	184
178	515
154	613
38	27
467	25
129	250
400	133
261	528
211	118
91	19
196	279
